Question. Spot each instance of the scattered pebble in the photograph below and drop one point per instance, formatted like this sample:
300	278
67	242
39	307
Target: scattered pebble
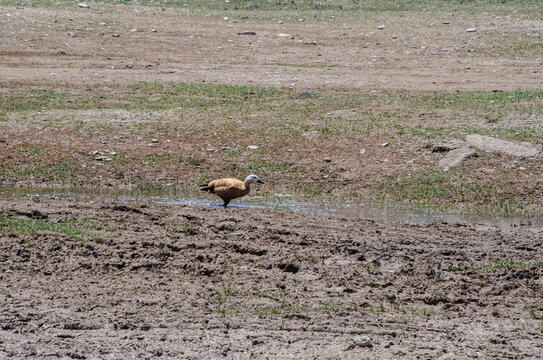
154	140
283	35
252	147
327	159
72	34
247	33
380	27
384	144
83	5
522	168
311	42
471	30
225	18
362	151
115	35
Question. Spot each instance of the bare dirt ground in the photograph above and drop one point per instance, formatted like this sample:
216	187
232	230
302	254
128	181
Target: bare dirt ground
420	51
183	282
100	280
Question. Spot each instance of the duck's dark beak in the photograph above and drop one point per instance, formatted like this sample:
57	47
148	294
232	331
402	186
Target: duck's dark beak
260	181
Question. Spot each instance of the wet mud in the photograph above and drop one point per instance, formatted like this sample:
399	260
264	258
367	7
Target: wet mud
91	280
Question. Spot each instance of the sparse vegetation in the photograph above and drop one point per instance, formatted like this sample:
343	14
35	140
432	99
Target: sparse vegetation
70	227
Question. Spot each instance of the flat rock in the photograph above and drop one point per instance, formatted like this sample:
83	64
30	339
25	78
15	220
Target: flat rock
455	157
502	146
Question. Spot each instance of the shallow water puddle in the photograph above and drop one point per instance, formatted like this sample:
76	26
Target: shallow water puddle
348	210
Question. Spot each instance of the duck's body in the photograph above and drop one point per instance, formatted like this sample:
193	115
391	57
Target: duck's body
229	188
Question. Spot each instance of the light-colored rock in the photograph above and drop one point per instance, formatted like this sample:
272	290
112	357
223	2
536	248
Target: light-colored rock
252	147
362	151
83	5
502	146
471	30
363	341
284	35
455	157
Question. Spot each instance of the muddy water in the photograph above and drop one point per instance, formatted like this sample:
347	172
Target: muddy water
349	210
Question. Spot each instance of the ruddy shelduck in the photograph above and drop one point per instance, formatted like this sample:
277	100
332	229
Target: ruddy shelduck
228	188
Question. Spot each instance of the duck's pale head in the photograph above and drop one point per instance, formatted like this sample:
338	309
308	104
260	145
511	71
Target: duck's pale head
253	179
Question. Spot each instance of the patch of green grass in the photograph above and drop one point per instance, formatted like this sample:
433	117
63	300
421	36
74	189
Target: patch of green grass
29	151
452	191
425	187
140	96
271	166
151	187
74	229
55	173
33	100
190	229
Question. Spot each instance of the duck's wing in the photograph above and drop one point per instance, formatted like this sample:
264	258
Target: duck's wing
227	184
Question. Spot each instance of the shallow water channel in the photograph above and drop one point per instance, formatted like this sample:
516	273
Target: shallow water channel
345	209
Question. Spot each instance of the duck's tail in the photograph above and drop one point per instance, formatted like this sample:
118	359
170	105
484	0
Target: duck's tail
208	186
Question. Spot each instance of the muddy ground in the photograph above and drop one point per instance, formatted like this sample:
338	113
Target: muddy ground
147	281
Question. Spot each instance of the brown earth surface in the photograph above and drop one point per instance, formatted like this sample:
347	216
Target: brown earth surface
153	281
72	50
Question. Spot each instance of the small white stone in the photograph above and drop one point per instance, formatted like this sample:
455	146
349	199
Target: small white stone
252	147
384	144
380	27
83	5
471	30
362	151
225	18
154	140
